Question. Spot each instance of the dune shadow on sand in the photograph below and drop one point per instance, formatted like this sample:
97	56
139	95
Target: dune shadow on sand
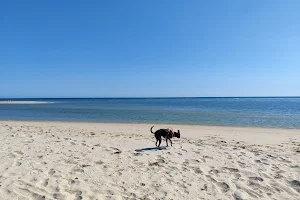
151	149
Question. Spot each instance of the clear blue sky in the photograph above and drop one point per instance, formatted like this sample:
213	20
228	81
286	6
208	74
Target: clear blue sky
149	48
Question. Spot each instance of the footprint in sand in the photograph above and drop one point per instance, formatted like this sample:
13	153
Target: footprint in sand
46	182
78	195
28	190
11	155
198	171
71	182
272	157
99	162
19	152
161	159
57	189
208	157
237	175
51	172
186	162
257	161
231	169
137	154
214	171
241	164
58	196
285	160
18	163
77	169
240	195
256	179
223	186
275	167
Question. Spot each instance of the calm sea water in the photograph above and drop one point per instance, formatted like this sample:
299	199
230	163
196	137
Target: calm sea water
251	112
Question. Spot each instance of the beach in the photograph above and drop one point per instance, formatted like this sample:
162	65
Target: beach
83	160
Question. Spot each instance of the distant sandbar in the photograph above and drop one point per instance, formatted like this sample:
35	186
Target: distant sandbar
24	102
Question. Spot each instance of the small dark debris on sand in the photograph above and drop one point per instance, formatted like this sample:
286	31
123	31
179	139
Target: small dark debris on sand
231	169
295	183
154	164
256	179
99	162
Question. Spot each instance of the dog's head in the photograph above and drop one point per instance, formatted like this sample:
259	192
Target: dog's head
177	134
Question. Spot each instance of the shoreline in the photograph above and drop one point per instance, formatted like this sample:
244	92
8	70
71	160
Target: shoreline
257	136
154	123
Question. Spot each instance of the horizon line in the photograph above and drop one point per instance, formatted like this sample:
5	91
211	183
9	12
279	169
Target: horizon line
148	97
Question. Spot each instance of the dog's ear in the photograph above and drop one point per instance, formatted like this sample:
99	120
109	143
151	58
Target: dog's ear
178	131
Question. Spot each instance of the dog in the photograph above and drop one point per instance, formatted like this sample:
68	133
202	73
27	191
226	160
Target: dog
165	133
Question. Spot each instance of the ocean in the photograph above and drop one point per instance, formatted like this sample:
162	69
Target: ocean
242	112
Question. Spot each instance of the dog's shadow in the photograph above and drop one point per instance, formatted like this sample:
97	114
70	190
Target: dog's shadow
151	149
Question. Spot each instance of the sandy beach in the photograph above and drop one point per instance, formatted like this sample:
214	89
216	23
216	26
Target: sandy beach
70	160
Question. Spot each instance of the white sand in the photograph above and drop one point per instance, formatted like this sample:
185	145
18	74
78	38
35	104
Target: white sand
24	102
57	160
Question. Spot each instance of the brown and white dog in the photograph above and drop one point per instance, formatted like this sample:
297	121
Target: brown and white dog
165	133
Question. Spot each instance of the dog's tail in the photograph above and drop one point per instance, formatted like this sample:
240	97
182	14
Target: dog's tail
151	129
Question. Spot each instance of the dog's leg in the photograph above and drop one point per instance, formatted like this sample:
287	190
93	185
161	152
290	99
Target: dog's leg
159	142
167	141
158	139
171	141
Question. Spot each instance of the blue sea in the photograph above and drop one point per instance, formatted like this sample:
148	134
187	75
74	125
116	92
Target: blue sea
248	112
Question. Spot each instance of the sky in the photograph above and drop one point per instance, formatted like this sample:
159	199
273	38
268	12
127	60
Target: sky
157	48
